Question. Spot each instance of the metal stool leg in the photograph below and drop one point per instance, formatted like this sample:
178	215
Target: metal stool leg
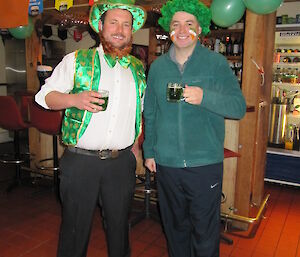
55	167
146	213
17	161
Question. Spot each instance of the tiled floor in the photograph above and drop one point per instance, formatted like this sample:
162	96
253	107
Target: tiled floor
29	225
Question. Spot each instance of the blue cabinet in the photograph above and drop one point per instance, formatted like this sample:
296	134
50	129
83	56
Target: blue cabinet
283	166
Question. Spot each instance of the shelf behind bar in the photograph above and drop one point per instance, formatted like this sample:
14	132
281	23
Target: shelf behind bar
290	54
286	64
287	86
288	27
280	151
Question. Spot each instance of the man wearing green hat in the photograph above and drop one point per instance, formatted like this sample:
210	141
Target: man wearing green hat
184	132
98	166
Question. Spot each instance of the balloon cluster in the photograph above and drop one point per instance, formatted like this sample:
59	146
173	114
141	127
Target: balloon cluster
23	31
227	12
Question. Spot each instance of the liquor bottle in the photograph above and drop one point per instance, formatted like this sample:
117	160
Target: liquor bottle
228	46
287	59
241	46
294	76
217	45
277	56
280	75
239	70
276	75
296	145
297	72
232	66
289	139
222	48
158	48
235	49
163	47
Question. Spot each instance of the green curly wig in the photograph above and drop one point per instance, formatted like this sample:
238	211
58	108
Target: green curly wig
194	7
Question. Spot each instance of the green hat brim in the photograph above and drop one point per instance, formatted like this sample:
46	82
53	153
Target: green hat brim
139	14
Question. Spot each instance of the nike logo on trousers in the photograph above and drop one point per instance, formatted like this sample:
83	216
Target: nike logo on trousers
214	185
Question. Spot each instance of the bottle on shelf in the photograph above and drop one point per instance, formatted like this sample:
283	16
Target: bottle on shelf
296	145
235	48
163	47
298	75
289	138
222	49
232	66
217	45
228	46
238	71
277	56
296	59
294	76
282	50
279	77
158	48
241	46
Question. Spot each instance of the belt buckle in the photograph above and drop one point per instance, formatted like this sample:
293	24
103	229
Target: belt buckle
114	153
106	154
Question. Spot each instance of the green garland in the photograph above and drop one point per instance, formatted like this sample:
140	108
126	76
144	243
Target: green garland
194	7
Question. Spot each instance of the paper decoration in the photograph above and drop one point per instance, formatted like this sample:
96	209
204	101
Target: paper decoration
63	5
35	7
13	13
62	33
47	31
77	35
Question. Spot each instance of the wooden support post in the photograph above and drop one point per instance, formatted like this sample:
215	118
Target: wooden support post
259	45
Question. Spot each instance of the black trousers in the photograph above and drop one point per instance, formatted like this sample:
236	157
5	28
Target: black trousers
189	200
85	182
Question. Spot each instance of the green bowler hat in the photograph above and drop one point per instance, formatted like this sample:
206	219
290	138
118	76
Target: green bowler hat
139	14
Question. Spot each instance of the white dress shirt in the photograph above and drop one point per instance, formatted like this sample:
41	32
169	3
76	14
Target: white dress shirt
111	129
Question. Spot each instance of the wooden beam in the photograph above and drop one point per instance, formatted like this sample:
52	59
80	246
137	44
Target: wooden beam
259	43
269	24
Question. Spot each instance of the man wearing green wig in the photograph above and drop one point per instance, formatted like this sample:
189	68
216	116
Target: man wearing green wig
184	136
98	166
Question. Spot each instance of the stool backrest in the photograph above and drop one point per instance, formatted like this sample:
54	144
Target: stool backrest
22	99
10	115
46	121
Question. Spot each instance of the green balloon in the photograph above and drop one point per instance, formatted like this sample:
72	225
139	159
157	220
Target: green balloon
227	12
262	6
22	32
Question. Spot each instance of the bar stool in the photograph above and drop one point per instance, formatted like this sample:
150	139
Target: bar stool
227	154
11	119
23	98
146	190
47	122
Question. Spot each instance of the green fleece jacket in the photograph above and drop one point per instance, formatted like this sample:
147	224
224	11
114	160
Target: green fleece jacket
186	135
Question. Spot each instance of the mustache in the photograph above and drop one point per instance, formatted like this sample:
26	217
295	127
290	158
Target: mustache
118	35
108	48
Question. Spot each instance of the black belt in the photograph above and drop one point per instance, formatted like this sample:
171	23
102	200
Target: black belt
103	154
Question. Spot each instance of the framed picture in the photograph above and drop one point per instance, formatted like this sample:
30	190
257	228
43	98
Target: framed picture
141	52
